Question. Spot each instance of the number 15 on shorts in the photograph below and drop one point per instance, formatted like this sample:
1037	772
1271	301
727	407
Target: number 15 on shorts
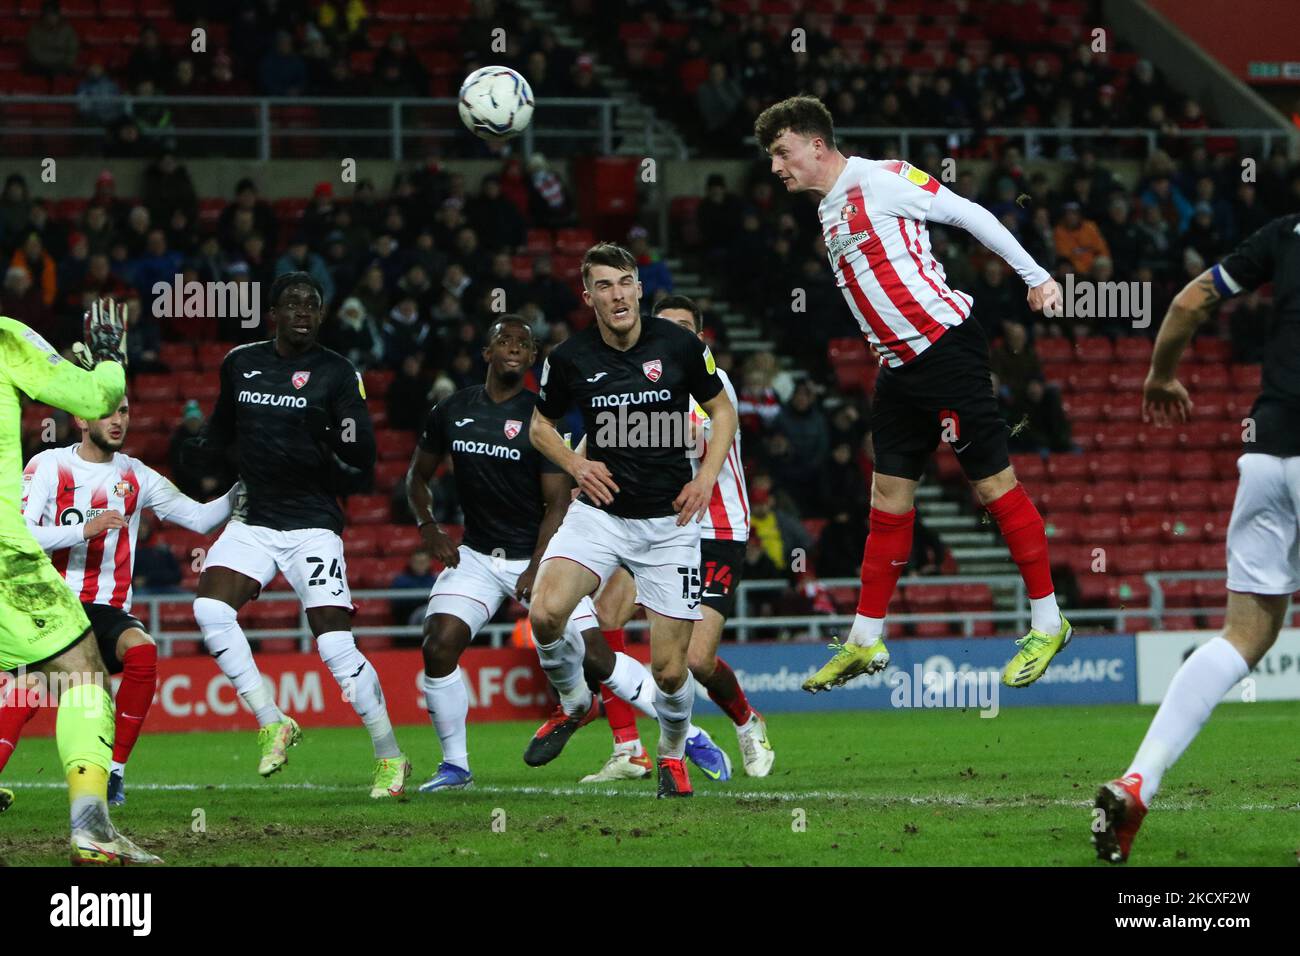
690	584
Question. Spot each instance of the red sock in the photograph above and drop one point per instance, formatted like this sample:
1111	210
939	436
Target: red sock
13	717
724	690
620	714
134	696
1022	529
889	545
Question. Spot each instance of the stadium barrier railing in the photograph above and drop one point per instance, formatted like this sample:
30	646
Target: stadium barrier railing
1031	137
394	123
742	627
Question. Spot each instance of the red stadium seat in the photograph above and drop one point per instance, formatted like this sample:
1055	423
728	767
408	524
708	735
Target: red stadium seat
1111	465
1090	378
1107	496
1208	377
1134	558
400	539
1054	349
1132	349
1149	495
362	541
1029	467
1067	467
1212	351
1142	528
1125	409
1178	557
394	444
368	509
1247	377
376	382
1063	496
1064	527
389	474
1094	349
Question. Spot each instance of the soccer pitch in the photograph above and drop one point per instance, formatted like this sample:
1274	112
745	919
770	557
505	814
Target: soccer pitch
898	788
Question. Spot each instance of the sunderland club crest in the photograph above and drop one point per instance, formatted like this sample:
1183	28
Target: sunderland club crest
300	379
123	489
653	370
849	211
512	428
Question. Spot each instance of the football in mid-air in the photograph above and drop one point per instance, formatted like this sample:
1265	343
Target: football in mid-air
496	103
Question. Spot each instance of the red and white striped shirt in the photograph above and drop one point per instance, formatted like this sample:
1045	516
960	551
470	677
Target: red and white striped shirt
728	515
62	491
873	221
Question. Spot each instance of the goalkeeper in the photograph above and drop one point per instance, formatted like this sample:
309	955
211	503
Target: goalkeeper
42	625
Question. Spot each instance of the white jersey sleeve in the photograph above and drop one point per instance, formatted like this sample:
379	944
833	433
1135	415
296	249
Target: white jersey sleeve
171	504
40	478
947	208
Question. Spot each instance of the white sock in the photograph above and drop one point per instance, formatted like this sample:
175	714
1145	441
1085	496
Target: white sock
562	662
674	712
360	684
225	641
1044	615
1199	684
866	630
692	731
631	747
91	814
633	683
447	700
117	768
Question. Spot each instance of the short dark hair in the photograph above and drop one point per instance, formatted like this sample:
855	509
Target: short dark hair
510	317
681	302
291	279
804	115
607	254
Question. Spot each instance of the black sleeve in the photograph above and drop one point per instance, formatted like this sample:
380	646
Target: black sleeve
1250	265
220	429
701	371
434	437
554	396
355	444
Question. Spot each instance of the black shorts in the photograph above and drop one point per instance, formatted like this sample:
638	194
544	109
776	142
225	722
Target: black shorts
108	623
722	565
944	394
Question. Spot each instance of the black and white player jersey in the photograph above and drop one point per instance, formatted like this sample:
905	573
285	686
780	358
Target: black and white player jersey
1272	253
498	472
260	412
621	392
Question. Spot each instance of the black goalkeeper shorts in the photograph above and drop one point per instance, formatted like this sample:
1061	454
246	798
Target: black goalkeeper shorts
946	393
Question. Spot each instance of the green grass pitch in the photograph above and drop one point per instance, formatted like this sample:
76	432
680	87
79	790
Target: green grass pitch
857	788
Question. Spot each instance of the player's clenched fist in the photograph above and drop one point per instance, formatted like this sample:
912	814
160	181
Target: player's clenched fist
440	545
693	501
102	522
1165	402
595	480
1046	298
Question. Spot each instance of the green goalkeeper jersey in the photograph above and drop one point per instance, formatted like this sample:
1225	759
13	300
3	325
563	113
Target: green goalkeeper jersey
30	364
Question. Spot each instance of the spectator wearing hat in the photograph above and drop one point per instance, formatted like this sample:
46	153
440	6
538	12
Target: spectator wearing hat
404	332
262	218
21	300
31	255
192	481
166	187
298	257
1078	239
340	260
318	217
495	218
221	81
653	272
105	195
548	199
150	60
51	44
1203	235
282	72
98	95
355	334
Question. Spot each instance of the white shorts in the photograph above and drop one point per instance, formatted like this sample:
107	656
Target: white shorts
311	560
1264	533
663	558
475	588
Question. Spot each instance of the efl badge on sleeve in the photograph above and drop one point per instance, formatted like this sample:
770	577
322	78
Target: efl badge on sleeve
512	428
300	379
653	369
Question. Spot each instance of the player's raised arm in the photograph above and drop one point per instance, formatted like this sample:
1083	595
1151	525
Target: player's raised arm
32	365
171	504
429	451
947	208
1250	265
